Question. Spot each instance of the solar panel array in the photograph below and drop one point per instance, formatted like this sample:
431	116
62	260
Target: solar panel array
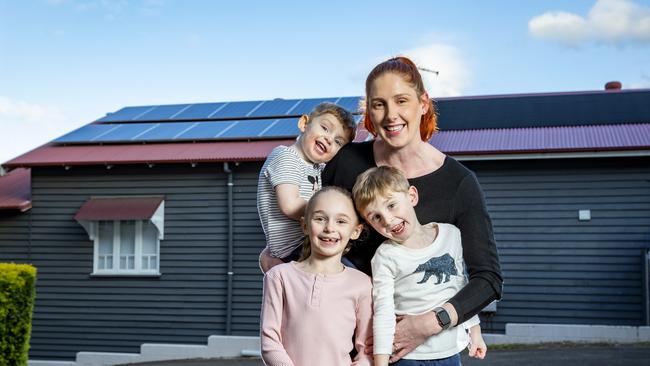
218	111
245	120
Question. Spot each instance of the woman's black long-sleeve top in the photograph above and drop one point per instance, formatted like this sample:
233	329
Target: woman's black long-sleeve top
450	194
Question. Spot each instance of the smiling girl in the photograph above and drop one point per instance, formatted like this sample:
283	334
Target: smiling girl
316	311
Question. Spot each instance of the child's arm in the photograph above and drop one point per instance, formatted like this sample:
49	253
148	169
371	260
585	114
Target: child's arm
273	352
364	326
289	200
383	281
477	346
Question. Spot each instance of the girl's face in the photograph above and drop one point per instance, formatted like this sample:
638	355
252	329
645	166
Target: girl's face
330	224
396	110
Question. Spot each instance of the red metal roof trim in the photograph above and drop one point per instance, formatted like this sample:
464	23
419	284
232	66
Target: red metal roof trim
119	208
545	139
16	190
49	155
623	137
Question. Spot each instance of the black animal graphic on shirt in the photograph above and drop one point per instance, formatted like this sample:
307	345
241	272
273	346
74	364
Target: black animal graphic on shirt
443	267
313	179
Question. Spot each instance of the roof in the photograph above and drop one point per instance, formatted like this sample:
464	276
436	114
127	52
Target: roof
545	109
599	138
597	121
119	208
148	153
15	190
544	139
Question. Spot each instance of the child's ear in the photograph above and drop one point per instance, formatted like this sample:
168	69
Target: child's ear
302	122
356	232
413	195
303	225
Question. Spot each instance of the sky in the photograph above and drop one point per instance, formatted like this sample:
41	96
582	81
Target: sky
66	63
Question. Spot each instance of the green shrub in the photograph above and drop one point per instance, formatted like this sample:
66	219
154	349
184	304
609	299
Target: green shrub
17	293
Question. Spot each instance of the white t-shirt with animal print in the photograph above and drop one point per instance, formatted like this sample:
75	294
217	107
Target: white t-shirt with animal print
415	281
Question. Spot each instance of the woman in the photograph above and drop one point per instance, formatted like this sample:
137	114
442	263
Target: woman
402	118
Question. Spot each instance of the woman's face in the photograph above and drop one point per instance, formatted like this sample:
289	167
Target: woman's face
396	110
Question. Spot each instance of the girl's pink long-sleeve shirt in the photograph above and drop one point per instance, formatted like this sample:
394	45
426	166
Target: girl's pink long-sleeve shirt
309	319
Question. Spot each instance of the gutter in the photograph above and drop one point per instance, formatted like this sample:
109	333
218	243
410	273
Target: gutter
230	273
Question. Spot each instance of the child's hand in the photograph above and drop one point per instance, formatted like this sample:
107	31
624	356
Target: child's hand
477	347
370	342
267	261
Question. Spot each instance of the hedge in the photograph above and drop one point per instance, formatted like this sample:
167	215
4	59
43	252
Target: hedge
17	293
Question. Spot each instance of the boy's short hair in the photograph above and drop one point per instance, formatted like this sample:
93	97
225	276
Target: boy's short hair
377	182
345	117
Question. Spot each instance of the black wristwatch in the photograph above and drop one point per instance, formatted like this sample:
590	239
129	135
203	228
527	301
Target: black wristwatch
444	320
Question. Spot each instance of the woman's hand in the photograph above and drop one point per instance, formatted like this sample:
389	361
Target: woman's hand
411	331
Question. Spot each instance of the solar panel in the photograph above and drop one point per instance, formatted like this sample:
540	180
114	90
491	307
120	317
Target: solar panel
349	103
162	112
126	114
306	105
274	108
85	133
166	131
199	111
286	127
124	132
246	129
205	130
236	109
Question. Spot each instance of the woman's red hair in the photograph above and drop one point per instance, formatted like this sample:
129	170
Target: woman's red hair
406	68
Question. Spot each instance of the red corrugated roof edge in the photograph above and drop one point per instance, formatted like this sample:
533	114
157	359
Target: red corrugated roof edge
15	190
622	137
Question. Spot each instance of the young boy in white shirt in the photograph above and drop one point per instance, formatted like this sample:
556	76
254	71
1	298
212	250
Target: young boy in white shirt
416	270
290	176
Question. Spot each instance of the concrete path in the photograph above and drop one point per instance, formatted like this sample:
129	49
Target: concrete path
555	355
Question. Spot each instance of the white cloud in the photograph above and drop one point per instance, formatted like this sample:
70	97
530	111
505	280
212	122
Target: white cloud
24	126
610	21
453	74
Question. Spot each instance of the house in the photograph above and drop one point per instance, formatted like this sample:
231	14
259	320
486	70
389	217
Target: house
143	224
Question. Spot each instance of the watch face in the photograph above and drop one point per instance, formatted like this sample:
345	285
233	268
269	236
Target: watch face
443	318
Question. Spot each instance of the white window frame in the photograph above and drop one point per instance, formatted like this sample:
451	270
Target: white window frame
94	226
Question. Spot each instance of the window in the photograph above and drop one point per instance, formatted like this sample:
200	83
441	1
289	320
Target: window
125	232
126	247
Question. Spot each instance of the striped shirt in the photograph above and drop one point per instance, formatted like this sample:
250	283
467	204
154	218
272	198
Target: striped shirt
284	166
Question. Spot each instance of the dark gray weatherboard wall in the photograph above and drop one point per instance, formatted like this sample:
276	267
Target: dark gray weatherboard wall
76	312
557	269
14	236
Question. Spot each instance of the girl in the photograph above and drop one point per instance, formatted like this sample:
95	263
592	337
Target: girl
315	309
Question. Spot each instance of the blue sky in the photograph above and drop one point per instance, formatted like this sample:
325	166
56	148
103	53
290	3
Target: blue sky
65	63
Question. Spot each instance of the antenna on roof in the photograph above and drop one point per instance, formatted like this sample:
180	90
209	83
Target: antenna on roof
428	70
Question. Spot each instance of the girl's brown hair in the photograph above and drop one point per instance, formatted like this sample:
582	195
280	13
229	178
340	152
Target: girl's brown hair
306	244
409	71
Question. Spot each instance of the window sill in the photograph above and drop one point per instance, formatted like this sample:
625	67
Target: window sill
126	275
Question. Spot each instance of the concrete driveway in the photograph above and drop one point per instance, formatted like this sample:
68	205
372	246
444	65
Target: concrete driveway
537	355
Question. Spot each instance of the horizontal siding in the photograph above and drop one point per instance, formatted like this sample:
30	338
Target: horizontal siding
14	236
249	241
556	268
77	312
